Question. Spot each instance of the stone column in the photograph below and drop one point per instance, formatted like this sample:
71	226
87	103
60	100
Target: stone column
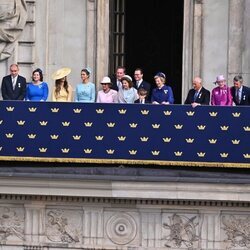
197	40
187	62
236	21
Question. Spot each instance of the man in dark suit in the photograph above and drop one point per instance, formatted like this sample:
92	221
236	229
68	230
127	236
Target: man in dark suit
140	83
198	95
116	79
240	93
13	85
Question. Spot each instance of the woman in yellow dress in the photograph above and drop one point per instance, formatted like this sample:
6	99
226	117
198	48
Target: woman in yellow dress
62	91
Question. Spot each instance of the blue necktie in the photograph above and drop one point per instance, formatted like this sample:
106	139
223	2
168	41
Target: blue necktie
196	95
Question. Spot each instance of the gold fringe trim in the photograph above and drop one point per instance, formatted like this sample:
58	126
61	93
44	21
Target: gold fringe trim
124	161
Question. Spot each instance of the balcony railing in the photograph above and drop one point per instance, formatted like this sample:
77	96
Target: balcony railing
125	134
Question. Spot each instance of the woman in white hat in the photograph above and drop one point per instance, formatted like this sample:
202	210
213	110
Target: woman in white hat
85	91
107	95
127	94
62	91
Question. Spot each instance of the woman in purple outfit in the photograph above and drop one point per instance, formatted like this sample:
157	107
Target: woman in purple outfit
221	95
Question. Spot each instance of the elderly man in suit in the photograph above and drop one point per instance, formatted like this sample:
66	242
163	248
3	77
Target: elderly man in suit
240	93
13	85
198	95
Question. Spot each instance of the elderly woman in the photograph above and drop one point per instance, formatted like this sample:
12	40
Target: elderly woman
107	95
127	94
62	91
162	94
221	95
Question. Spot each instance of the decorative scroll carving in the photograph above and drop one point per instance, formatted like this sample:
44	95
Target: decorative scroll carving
59	229
182	231
13	16
237	231
11	224
121	228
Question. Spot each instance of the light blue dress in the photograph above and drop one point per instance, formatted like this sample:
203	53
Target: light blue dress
85	92
37	92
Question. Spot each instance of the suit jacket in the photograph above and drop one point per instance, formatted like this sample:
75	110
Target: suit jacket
245	96
138	101
114	83
7	89
144	85
202	98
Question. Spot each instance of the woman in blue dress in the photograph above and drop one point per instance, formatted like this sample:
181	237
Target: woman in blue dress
37	90
85	91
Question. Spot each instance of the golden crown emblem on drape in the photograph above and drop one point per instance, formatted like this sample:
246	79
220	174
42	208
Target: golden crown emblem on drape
87	150
54	110
76	137
65	150
224	128
132	152
31	136
77	111
212	141
99	138
247	128
201	154
110	151
166	139
190	113
99	111
167	113
156	126
155	152
121	138
10	109
190	140
201	127
20	149
122	111
9	135
145	112
133	125
178	153
42	150
65	124
88	124
224	155
110	124
32	109
236	142
246	156
54	137
144	139
43	123
236	114
178	126
20	122
1	121
213	114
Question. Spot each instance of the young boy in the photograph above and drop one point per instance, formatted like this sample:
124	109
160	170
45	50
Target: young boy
142	96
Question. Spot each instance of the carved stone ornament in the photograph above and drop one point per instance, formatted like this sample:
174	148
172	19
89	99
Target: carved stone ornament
121	228
237	231
182	231
13	17
59	229
11	224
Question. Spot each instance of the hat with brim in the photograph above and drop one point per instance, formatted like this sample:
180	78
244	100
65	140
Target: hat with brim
106	80
60	73
220	78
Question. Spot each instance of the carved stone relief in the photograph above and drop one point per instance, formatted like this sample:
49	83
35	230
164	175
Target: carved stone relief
237	230
13	16
182	231
121	228
11	224
63	226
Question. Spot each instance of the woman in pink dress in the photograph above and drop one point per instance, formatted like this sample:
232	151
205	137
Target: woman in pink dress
221	95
